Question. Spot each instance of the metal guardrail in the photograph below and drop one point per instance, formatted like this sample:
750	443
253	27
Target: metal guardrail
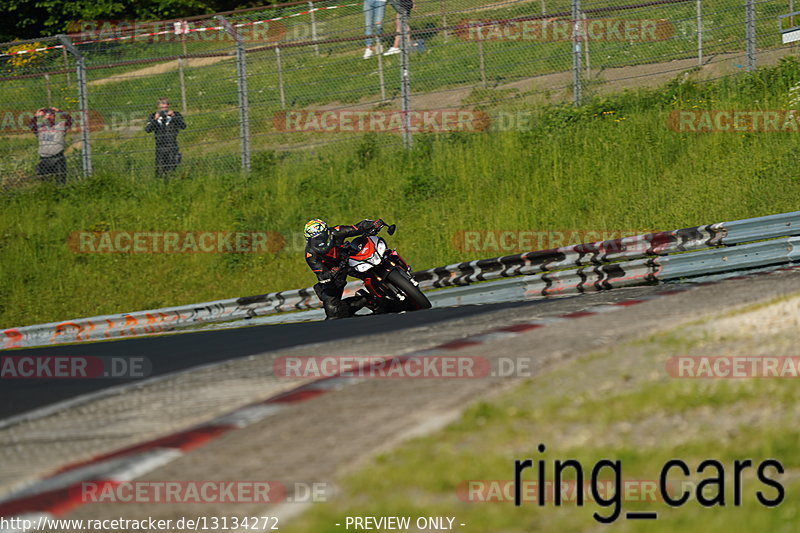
602	265
625	249
637	272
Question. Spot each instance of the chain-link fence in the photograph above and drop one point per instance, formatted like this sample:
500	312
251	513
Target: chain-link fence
249	83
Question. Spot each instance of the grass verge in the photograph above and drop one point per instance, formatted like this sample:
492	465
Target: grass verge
617	404
612	165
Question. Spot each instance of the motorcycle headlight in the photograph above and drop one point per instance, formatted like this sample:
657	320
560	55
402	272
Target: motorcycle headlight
363	267
381	247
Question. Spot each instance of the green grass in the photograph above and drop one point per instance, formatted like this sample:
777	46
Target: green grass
576	420
611	165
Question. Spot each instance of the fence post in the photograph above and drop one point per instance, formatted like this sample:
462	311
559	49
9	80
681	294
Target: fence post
380	75
241	82
47	88
182	84
576	53
279	64
482	63
699	33
83	103
313	26
181	60
66	65
750	31
443	12
405	82
585	37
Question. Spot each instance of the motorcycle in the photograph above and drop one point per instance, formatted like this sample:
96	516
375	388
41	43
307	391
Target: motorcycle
389	284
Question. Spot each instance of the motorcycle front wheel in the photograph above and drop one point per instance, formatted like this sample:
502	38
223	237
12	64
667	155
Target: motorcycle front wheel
415	297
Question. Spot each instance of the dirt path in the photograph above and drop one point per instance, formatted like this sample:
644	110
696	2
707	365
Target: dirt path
557	87
538	89
161	68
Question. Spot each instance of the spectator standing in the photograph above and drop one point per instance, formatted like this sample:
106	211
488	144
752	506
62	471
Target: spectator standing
50	125
373	21
400	5
166	124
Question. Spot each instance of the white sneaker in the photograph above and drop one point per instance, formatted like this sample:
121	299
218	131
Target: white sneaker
368	53
391	51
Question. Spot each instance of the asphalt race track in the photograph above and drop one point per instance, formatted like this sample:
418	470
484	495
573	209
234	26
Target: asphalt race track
172	353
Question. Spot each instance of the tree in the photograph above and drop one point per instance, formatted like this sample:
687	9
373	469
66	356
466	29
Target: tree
27	19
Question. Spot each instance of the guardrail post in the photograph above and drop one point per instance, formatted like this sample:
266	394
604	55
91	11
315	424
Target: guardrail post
241	82
750	31
83	103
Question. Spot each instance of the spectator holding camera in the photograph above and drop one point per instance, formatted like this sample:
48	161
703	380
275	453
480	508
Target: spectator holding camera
50	125
166	124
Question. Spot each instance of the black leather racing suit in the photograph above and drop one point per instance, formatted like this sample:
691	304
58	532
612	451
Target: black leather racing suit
325	257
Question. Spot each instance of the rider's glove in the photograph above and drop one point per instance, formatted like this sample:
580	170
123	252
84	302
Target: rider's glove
331	274
370	226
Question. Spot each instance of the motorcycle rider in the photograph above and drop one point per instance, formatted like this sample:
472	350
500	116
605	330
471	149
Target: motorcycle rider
329	262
